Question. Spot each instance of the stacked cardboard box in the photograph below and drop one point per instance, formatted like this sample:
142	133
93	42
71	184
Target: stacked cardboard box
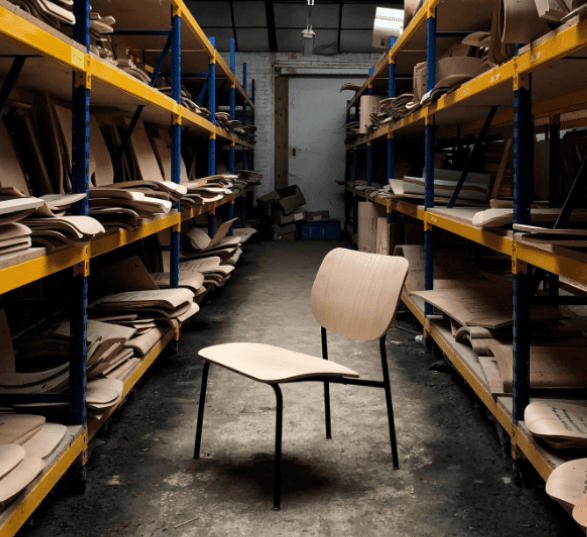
284	208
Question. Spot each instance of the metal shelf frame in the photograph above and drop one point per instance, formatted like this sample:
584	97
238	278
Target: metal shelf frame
36	38
558	262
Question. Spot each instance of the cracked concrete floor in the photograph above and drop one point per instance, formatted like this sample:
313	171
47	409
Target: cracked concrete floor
142	481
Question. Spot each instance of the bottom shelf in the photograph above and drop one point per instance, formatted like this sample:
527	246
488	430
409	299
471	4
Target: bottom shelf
17	513
543	458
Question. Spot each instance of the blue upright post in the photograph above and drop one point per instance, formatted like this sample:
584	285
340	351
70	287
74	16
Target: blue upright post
175	138
429	160
355	197
232	118
80	184
252	159
369	146
391	92
245	155
212	146
523	177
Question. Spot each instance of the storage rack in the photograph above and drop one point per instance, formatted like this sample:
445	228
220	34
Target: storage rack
519	87
44	57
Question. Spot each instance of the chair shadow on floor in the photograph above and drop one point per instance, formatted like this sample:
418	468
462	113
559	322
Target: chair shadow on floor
251	480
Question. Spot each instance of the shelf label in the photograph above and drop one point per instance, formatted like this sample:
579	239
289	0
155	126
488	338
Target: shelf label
78	58
535	56
495	78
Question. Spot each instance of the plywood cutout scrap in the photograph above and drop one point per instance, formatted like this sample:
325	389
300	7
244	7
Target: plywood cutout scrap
18	428
148	166
16	481
580	512
482	303
11	456
562	425
127	275
550	365
568	483
45	442
492	375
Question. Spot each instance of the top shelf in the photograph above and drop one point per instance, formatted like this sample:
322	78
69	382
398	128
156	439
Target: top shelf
554	86
22	34
197	51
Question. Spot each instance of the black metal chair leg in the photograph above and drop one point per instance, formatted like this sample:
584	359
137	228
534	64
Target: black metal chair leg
201	410
391	421
326	387
278	434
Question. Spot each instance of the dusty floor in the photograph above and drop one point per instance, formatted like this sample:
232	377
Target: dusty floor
453	478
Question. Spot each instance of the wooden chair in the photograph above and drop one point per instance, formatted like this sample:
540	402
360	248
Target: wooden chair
355	295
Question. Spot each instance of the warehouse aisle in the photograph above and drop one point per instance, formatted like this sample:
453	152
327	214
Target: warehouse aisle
143	482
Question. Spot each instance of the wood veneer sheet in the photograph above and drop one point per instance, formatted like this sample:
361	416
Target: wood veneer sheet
505	217
11	456
102	393
447	265
165	298
17	480
45	442
192	281
550	365
492	375
98	329
104	174
148	166
568	483
18	428
143	344
562	425
482	303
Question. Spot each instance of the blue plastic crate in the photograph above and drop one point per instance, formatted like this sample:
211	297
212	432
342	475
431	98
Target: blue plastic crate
325	229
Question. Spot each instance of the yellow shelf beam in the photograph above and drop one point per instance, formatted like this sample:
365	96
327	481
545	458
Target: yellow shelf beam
189	19
30	35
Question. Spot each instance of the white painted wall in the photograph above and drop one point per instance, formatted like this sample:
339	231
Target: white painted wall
263	68
316	132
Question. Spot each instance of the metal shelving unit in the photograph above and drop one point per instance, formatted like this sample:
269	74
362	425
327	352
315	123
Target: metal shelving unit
532	88
48	53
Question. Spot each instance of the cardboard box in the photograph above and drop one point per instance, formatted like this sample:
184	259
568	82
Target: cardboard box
277	231
369	104
368	214
317	216
283	219
265	203
290	198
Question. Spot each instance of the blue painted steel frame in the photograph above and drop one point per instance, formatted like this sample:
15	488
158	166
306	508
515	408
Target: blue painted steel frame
175	139
245	155
369	146
429	165
231	155
212	142
80	184
523	293
391	92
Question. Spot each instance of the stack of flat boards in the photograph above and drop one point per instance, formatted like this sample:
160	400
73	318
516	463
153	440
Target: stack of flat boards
25	441
171	306
56	14
475	188
197	244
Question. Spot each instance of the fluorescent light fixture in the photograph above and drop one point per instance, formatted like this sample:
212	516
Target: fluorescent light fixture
388	23
308	35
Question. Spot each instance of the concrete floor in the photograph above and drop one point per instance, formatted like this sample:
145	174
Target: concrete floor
454	479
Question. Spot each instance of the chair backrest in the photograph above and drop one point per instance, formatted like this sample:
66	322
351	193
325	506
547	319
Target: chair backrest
356	294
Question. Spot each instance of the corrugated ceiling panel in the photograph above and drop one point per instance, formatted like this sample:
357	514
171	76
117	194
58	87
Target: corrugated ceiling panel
211	13
249	14
356	41
222	35
296	15
358	15
252	39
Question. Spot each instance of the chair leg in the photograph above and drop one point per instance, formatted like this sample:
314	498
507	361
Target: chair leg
390	419
278	435
326	387
201	410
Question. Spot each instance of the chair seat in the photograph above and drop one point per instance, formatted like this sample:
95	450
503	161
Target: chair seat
266	363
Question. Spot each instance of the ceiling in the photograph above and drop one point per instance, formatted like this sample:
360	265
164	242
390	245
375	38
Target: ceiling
276	26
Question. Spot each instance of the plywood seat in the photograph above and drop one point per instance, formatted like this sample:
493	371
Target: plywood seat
270	364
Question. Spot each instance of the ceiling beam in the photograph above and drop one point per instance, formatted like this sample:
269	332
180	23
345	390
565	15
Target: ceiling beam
233	26
271	31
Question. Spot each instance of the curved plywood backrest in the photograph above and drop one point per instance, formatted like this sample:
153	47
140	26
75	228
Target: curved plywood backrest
356	294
